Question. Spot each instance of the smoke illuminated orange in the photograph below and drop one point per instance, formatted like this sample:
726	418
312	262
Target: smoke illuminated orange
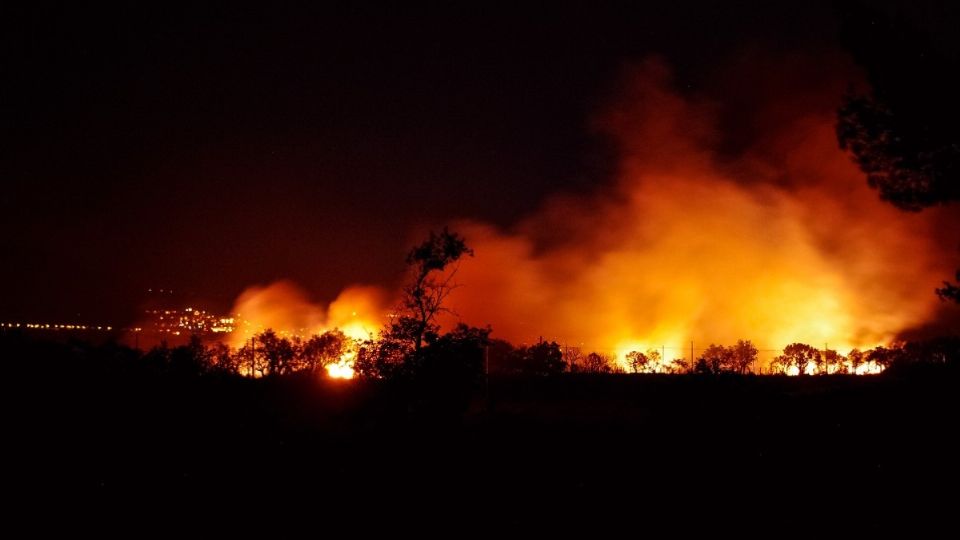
782	242
283	307
785	243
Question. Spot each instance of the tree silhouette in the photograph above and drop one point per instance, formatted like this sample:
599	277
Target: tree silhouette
574	359
833	362
655	360
381	358
855	357
399	349
502	358
250	359
277	351
324	349
596	363
678	365
941	352
950	291
820	364
903	133
798	355
191	359
637	361
223	360
743	355
778	366
544	358
716	359
881	356
648	362
430	284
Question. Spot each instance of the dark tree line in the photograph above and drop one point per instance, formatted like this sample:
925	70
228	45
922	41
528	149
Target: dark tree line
461	357
443	369
541	359
265	354
718	359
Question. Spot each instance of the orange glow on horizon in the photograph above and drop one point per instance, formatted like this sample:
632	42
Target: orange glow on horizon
284	308
340	370
781	243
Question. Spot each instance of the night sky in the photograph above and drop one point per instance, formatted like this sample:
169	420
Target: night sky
205	150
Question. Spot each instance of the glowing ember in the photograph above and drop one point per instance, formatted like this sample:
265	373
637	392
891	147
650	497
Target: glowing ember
868	368
340	370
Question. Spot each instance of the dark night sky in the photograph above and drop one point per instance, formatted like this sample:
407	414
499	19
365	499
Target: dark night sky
209	149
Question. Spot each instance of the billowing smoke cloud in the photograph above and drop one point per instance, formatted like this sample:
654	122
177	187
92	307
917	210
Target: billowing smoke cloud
282	306
781	243
778	241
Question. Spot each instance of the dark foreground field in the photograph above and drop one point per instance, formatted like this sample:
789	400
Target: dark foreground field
102	436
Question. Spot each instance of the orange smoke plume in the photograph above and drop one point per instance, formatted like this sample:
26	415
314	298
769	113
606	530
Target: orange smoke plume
783	242
780	241
282	306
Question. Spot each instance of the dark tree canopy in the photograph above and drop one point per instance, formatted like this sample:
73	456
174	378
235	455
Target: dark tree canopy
637	361
596	363
544	358
321	350
799	356
905	133
744	355
716	359
950	291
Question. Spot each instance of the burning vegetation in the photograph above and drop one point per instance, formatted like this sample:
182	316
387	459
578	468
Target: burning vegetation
779	242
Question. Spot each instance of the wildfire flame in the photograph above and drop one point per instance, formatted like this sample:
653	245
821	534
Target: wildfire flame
342	369
783	242
778	242
285	308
